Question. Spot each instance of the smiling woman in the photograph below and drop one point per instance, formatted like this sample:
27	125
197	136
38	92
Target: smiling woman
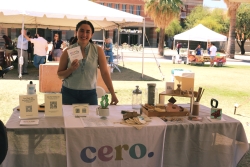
79	75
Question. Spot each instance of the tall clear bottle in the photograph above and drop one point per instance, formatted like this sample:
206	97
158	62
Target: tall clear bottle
136	98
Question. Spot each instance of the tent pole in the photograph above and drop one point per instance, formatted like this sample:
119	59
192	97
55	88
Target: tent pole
188	53
118	38
143	43
103	38
20	62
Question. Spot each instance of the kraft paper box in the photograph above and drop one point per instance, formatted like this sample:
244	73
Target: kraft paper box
186	79
216	113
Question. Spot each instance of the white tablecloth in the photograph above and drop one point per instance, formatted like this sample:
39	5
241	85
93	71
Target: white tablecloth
115	146
206	143
36	146
182	144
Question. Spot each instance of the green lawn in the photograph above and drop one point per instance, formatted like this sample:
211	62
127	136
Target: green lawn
227	84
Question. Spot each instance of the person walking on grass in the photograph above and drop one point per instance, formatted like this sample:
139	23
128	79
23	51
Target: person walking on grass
213	51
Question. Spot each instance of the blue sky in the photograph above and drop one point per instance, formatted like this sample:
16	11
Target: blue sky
214	4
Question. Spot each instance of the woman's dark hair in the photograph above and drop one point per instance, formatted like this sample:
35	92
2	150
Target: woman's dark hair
6	39
57	35
79	25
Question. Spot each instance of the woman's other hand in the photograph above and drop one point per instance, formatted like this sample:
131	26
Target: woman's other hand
114	100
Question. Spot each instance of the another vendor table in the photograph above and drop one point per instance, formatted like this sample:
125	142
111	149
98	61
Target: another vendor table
186	143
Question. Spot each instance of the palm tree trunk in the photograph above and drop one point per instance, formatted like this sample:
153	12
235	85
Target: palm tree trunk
231	39
161	42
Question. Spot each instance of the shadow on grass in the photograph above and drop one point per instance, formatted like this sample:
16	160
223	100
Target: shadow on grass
127	74
243	115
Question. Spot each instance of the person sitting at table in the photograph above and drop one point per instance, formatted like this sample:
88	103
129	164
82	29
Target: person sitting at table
80	76
198	50
8	49
108	50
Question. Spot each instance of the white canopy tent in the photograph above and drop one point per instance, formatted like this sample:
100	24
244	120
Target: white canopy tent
64	15
200	33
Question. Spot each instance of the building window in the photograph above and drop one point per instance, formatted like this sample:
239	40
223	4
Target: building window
131	9
109	5
138	10
102	3
124	8
117	6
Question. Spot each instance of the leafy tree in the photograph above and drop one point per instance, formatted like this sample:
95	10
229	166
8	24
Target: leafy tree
216	19
197	14
162	12
242	26
174	28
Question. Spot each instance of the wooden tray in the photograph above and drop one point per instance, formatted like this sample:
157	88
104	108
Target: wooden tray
152	113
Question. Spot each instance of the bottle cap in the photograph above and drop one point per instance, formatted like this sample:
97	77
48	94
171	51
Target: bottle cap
137	90
31	82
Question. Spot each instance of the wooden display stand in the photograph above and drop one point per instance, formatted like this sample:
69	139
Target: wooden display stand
162	94
152	113
49	81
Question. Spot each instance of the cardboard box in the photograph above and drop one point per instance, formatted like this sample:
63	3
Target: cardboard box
186	79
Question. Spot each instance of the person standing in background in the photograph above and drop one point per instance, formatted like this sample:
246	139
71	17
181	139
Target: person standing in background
208	48
8	49
30	49
108	50
213	51
22	47
198	50
40	49
56	50
178	46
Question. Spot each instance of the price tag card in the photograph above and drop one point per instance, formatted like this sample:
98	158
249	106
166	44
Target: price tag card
81	110
28	106
53	104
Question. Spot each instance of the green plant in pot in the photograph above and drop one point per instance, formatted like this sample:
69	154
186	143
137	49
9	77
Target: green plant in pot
105	101
103	110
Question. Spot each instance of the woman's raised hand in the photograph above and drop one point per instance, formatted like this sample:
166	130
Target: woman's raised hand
74	65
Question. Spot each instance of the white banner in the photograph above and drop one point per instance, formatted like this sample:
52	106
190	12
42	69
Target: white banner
116	146
113	146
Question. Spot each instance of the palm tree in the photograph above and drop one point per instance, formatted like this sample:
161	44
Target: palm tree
162	12
232	10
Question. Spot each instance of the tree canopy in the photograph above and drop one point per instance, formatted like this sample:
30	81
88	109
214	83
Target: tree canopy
215	19
242	25
162	11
